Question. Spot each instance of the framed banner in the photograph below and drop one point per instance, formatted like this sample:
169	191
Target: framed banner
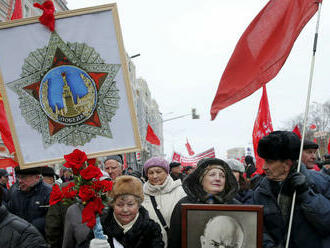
69	88
215	225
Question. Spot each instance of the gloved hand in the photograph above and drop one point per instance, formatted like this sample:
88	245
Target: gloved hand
99	243
297	181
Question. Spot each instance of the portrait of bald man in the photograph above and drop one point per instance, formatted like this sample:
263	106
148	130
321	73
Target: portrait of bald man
222	232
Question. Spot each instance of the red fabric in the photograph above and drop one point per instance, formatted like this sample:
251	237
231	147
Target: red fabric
262	50
313	126
152	137
297	131
125	162
7	162
316	168
192	161
262	127
47	18
176	157
329	146
18	12
190	151
5	130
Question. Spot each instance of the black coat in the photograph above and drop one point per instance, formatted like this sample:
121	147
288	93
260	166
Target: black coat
17	233
196	195
311	221
145	233
31	206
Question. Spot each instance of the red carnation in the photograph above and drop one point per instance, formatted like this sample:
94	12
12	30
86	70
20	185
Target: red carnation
104	185
56	195
86	193
68	191
91	172
75	160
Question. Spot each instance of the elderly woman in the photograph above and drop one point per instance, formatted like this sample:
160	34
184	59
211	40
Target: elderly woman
161	193
127	223
211	183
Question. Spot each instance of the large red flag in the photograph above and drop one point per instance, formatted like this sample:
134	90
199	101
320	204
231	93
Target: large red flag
262	127
262	50
190	151
152	137
296	130
17	13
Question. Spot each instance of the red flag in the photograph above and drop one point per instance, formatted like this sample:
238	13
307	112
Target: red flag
262	127
329	146
313	126
297	131
4	129
190	151
152	137
176	157
18	12
262	50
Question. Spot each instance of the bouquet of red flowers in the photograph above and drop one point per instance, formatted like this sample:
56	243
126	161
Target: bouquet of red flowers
87	187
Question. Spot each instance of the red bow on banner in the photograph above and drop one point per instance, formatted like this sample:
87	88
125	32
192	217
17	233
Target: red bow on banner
47	18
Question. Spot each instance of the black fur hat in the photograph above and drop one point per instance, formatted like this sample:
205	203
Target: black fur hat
310	145
279	145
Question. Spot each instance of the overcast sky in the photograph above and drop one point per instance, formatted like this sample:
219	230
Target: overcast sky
185	46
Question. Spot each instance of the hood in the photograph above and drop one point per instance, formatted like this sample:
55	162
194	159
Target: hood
194	188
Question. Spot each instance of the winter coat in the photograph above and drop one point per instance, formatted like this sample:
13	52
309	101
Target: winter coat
32	206
55	224
196	195
244	196
145	233
17	233
166	196
75	232
311	220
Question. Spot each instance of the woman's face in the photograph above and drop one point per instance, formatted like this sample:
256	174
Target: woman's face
156	175
214	181
126	208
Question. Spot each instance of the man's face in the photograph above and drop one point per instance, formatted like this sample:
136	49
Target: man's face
176	170
308	157
277	170
4	179
26	182
113	168
222	232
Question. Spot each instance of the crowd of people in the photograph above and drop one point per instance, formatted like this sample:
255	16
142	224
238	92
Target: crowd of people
145	207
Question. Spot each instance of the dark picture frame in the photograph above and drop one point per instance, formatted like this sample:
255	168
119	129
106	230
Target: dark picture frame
247	218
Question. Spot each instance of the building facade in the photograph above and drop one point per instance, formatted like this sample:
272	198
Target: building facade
7	8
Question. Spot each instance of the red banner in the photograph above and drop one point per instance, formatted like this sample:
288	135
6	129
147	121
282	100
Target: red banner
192	161
262	127
190	151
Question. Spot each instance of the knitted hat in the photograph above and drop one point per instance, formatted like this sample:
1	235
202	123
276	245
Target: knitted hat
279	145
310	145
29	171
117	158
156	162
127	185
235	165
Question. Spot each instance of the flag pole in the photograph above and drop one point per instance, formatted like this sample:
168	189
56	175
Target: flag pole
305	119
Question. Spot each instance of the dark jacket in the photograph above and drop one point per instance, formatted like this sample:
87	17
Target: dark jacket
17	233
32	205
311	219
55	224
196	195
145	233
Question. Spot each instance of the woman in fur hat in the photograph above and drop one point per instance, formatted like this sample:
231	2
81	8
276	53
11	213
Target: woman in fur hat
211	183
161	193
127	223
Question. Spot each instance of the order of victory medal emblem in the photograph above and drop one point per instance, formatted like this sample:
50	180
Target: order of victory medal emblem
67	92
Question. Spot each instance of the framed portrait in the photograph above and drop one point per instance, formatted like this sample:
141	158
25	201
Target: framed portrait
69	88
215	225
